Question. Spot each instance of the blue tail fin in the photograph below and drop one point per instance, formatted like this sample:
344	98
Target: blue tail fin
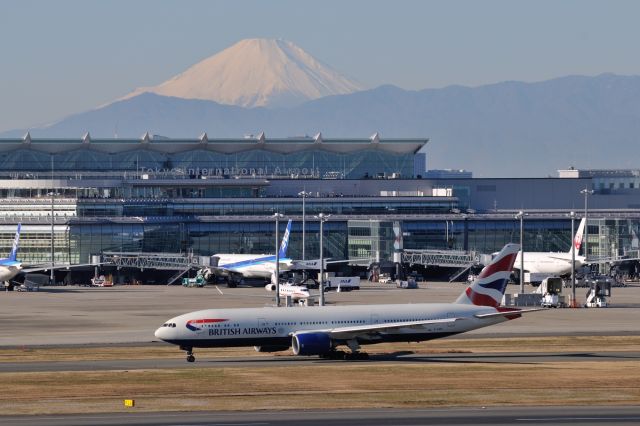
14	250
285	242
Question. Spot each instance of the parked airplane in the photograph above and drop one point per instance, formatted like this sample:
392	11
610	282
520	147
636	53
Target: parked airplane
553	263
297	292
11	266
319	330
250	265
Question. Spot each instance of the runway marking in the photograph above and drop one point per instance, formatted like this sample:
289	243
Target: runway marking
219	291
555	419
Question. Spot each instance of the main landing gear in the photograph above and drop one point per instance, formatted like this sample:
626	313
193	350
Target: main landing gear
348	356
190	356
355	353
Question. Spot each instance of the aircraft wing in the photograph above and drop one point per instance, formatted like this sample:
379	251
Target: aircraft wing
42	268
564	259
507	313
353	331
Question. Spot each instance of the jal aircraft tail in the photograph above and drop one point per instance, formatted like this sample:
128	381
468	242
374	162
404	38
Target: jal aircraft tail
489	287
285	242
577	239
14	249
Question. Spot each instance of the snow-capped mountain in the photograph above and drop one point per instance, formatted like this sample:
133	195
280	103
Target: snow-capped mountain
256	72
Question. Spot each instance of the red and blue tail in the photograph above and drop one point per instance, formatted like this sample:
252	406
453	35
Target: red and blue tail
489	287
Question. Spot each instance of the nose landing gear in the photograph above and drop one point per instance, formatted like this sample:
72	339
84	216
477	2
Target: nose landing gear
190	356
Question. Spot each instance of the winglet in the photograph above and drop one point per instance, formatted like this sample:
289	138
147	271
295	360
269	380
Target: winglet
285	242
14	249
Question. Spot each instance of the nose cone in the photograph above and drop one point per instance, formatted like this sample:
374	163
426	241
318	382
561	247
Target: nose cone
159	333
166	332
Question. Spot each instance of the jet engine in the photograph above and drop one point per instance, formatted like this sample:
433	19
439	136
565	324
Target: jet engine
271	348
270	287
311	344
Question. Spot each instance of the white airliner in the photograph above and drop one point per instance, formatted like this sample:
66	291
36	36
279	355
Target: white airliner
11	266
319	330
297	292
553	263
250	265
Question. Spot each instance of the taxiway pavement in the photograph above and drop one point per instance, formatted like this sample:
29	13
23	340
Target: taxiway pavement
602	415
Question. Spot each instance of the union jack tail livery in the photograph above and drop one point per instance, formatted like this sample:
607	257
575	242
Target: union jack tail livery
489	287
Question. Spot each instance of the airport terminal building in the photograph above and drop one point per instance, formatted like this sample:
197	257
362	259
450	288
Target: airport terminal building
206	196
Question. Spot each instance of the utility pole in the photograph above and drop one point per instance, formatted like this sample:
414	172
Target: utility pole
586	191
520	216
323	217
304	195
573	261
277	276
52	276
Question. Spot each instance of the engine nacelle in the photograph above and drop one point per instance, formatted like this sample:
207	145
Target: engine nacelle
270	287
271	348
311	344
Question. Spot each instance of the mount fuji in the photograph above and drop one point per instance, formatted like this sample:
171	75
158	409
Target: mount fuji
256	73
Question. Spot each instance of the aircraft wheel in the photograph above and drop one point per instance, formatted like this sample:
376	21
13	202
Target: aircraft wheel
191	358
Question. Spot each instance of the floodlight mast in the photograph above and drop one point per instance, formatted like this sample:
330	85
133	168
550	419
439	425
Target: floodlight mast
277	216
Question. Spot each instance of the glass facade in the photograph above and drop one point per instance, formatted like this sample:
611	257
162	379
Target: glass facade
274	159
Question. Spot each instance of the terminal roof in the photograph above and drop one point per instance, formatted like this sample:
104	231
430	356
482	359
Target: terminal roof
227	146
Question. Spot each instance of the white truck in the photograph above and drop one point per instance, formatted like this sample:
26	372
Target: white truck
385	279
551	290
342	283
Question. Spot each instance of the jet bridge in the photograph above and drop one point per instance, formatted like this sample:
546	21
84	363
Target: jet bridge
442	258
142	261
179	262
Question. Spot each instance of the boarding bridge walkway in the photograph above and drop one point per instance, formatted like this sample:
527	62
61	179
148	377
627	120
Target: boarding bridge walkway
142	261
442	258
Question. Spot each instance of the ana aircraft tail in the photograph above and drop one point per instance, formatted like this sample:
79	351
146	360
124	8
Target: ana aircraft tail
489	287
285	241
577	239
14	249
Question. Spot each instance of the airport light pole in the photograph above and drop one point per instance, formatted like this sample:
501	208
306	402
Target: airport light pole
586	191
277	216
573	261
52	276
520	216
323	217
304	195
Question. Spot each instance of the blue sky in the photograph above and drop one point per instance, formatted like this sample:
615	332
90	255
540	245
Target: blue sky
61	57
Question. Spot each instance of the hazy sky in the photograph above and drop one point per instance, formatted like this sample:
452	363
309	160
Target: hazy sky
61	57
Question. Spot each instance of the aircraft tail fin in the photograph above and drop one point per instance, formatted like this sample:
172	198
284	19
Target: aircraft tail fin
285	241
489	287
577	239
14	249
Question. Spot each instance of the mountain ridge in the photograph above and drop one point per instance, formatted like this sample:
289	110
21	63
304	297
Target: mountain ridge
254	73
504	129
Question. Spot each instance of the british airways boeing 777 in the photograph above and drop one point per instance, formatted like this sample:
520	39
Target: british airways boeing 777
320	330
